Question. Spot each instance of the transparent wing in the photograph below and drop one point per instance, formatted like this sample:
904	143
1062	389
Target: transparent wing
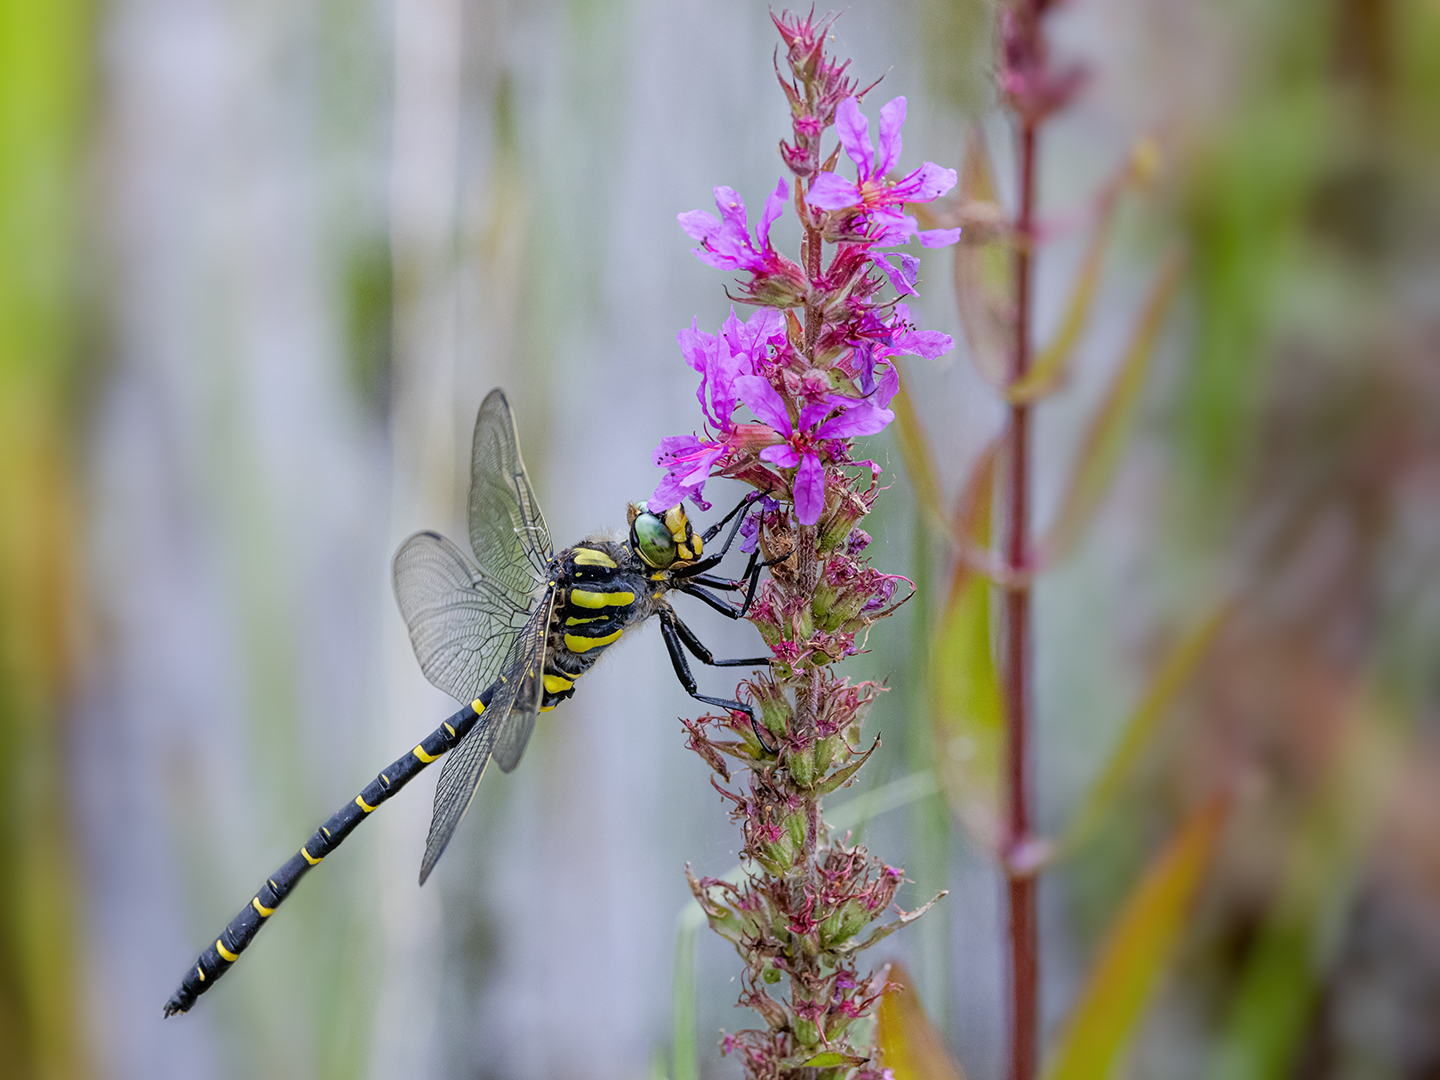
507	529
461	623
512	738
503	728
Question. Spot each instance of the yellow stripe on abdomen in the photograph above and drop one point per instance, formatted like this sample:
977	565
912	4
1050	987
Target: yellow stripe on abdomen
226	953
591	557
587	599
578	644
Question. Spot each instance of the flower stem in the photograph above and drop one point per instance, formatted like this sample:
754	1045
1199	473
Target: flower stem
1024	967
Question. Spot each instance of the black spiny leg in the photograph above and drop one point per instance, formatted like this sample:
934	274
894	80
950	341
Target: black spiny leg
676	635
751	577
712	561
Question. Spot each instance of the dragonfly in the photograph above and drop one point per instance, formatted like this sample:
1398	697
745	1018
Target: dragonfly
509	634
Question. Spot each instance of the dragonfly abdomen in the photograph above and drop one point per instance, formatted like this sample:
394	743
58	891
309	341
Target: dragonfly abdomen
241	930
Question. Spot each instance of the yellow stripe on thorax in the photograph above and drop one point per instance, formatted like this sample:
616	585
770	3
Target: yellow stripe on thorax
587	599
554	684
584	644
591	557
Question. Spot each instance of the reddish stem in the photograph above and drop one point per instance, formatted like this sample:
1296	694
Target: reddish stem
1021	886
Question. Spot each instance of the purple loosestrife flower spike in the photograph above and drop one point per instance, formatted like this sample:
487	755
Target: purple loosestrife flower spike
814	377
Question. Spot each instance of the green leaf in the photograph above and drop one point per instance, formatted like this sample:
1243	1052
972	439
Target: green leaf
1051	365
1139	946
918	457
967	704
909	1046
1100	451
839	777
832	1057
1174	673
985	273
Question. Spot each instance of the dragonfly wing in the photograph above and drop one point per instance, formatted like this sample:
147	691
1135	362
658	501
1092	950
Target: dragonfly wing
462	624
507	529
512	737
504	725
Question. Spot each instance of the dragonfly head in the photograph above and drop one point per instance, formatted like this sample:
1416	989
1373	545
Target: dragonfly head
663	541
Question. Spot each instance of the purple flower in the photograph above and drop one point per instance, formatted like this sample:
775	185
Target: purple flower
750	527
726	244
797	449
686	461
877	197
739	349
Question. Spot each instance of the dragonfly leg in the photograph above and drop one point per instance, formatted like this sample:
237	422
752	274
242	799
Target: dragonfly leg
679	637
749	581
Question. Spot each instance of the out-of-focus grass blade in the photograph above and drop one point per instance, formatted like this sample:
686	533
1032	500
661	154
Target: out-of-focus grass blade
910	1047
1139	946
686	1062
984	273
47	96
918	457
1289	964
1100	451
967	709
1174	672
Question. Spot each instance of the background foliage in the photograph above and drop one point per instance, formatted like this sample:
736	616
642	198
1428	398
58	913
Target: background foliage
261	261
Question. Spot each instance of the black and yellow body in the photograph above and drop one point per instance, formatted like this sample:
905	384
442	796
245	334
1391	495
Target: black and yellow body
510	633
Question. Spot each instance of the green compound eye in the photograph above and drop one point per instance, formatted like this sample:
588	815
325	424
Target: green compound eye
653	541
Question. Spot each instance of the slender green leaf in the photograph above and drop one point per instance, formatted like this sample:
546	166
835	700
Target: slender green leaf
967	707
910	1047
1174	673
1051	364
984	273
1100	452
918	457
1138	949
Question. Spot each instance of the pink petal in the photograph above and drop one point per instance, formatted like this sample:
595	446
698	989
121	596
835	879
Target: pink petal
784	455
854	132
892	118
887	385
831	192
863	419
927	182
774	207
809	490
764	402
933	238
698	225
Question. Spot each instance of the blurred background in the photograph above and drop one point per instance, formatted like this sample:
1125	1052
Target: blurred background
259	262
